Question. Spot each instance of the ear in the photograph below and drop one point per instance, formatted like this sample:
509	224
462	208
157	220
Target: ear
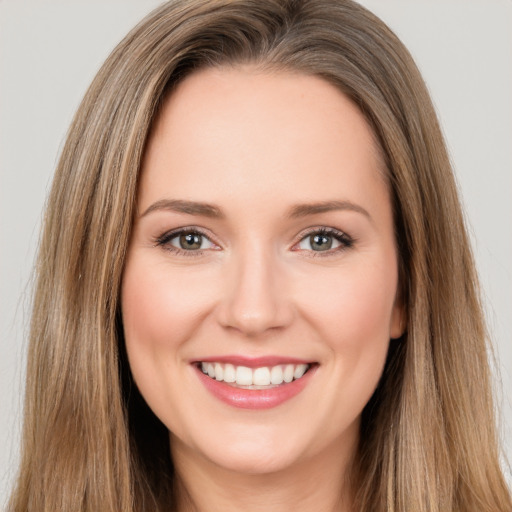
398	323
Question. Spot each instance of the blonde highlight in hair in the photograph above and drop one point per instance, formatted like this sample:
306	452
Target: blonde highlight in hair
428	440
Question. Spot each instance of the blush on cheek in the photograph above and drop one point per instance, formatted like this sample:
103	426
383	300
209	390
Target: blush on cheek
159	309
359	311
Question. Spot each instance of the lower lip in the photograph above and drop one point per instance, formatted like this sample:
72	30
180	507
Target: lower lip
255	398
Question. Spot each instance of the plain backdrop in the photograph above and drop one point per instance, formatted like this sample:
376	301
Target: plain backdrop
50	51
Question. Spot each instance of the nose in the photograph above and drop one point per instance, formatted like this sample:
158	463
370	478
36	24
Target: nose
255	298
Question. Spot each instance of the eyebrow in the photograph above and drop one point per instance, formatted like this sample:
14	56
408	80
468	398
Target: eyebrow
303	210
188	207
212	211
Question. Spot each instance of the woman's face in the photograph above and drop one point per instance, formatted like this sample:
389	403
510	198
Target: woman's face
263	247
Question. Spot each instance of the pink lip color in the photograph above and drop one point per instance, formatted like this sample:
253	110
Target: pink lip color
255	398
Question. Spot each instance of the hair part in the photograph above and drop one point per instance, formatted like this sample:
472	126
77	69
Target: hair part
90	442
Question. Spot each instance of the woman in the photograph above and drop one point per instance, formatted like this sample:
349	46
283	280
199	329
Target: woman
176	253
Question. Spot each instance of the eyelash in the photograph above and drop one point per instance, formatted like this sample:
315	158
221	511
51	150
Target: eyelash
346	242
165	239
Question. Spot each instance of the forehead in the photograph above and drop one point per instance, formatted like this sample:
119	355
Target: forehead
254	133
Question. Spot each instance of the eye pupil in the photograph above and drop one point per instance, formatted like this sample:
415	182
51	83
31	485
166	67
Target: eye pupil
320	242
190	241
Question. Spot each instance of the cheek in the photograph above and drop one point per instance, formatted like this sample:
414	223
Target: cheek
356	308
160	308
357	320
353	318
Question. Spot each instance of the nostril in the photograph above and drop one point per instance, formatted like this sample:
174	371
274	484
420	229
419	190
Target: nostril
253	316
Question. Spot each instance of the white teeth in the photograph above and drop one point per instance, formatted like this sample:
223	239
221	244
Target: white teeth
219	371
276	375
300	370
288	372
263	376
243	376
229	373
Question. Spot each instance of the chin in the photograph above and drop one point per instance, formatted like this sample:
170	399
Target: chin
248	452
251	460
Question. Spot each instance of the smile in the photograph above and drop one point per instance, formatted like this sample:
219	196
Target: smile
254	378
254	384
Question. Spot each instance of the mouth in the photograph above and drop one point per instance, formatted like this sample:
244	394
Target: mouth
244	377
254	384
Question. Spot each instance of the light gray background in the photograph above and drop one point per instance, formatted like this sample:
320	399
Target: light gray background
50	51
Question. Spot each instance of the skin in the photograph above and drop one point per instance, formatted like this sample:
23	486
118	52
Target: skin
255	144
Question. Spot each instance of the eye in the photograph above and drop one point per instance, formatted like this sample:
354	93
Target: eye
189	240
325	240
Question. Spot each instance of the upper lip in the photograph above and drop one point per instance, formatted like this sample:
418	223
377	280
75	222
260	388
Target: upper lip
252	362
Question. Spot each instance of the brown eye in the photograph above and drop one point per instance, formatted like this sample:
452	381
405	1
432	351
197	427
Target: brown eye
325	240
190	241
320	242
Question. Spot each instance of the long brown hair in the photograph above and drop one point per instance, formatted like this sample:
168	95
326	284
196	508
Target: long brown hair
90	443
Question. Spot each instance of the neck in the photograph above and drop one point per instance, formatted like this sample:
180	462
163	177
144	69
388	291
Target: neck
320	483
